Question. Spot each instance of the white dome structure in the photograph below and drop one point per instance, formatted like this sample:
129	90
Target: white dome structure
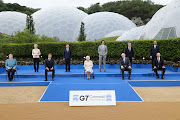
165	23
115	33
100	24
133	34
11	22
60	22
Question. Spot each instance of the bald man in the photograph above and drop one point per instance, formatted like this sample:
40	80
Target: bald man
125	65
159	65
154	50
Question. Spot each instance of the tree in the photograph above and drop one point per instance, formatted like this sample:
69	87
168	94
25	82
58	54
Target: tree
82	35
30	24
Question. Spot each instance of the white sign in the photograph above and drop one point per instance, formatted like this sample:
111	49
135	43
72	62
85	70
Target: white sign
92	98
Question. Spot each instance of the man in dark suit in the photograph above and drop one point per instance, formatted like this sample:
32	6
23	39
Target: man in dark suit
49	66
154	50
125	65
129	51
67	56
159	65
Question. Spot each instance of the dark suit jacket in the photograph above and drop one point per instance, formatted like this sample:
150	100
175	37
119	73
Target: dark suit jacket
154	51
160	64
129	54
126	64
50	63
67	54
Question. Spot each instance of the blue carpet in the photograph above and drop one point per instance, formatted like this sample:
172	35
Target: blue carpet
60	91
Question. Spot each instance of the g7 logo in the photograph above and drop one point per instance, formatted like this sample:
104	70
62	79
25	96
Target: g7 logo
84	97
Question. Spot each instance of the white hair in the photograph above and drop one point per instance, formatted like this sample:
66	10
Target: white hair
87	57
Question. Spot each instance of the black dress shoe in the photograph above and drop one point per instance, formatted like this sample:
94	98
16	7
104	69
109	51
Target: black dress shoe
157	77
66	71
162	77
45	80
129	78
122	78
52	79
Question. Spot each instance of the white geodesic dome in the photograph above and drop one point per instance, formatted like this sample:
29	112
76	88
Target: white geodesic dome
99	24
60	22
11	22
133	34
165	23
115	33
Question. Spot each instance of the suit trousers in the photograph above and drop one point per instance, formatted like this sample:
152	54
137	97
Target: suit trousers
104	62
36	61
67	63
126	69
163	71
11	73
53	72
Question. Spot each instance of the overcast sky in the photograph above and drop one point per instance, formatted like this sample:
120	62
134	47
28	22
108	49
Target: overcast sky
51	3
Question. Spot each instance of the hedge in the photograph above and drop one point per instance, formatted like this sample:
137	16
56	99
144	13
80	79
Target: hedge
170	49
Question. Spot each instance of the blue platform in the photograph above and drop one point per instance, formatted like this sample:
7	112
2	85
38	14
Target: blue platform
58	90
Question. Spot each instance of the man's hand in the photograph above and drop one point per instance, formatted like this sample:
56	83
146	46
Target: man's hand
63	58
9	68
154	67
122	67
52	68
133	58
14	68
150	57
129	67
163	66
71	58
47	68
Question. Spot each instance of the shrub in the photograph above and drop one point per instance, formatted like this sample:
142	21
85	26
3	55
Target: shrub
169	49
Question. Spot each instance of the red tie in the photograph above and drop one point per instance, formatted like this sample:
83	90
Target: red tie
129	50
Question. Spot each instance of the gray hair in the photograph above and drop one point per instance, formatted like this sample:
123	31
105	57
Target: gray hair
87	57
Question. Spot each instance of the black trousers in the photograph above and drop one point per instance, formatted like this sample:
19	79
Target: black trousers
67	63
126	69
53	72
152	62
36	62
11	73
163	71
130	60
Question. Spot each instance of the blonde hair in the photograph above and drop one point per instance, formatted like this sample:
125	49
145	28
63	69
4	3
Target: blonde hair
10	54
35	45
123	54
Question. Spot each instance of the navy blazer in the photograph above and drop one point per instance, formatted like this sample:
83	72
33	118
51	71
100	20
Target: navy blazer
67	54
129	54
159	64
154	51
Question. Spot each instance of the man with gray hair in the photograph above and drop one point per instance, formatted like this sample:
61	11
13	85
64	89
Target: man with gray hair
102	51
125	65
159	65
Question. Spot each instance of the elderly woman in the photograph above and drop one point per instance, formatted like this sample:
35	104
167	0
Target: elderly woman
36	53
11	67
88	65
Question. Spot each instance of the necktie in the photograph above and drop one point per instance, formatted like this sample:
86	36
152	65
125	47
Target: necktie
124	60
129	50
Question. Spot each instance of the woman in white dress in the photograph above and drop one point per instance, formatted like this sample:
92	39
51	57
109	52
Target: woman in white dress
88	65
36	53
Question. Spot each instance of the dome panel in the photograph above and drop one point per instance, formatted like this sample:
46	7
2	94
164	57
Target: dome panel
106	22
11	22
159	27
61	18
115	33
133	34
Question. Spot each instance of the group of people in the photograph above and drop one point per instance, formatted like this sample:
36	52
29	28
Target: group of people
125	61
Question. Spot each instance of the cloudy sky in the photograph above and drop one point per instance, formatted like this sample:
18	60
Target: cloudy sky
84	3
